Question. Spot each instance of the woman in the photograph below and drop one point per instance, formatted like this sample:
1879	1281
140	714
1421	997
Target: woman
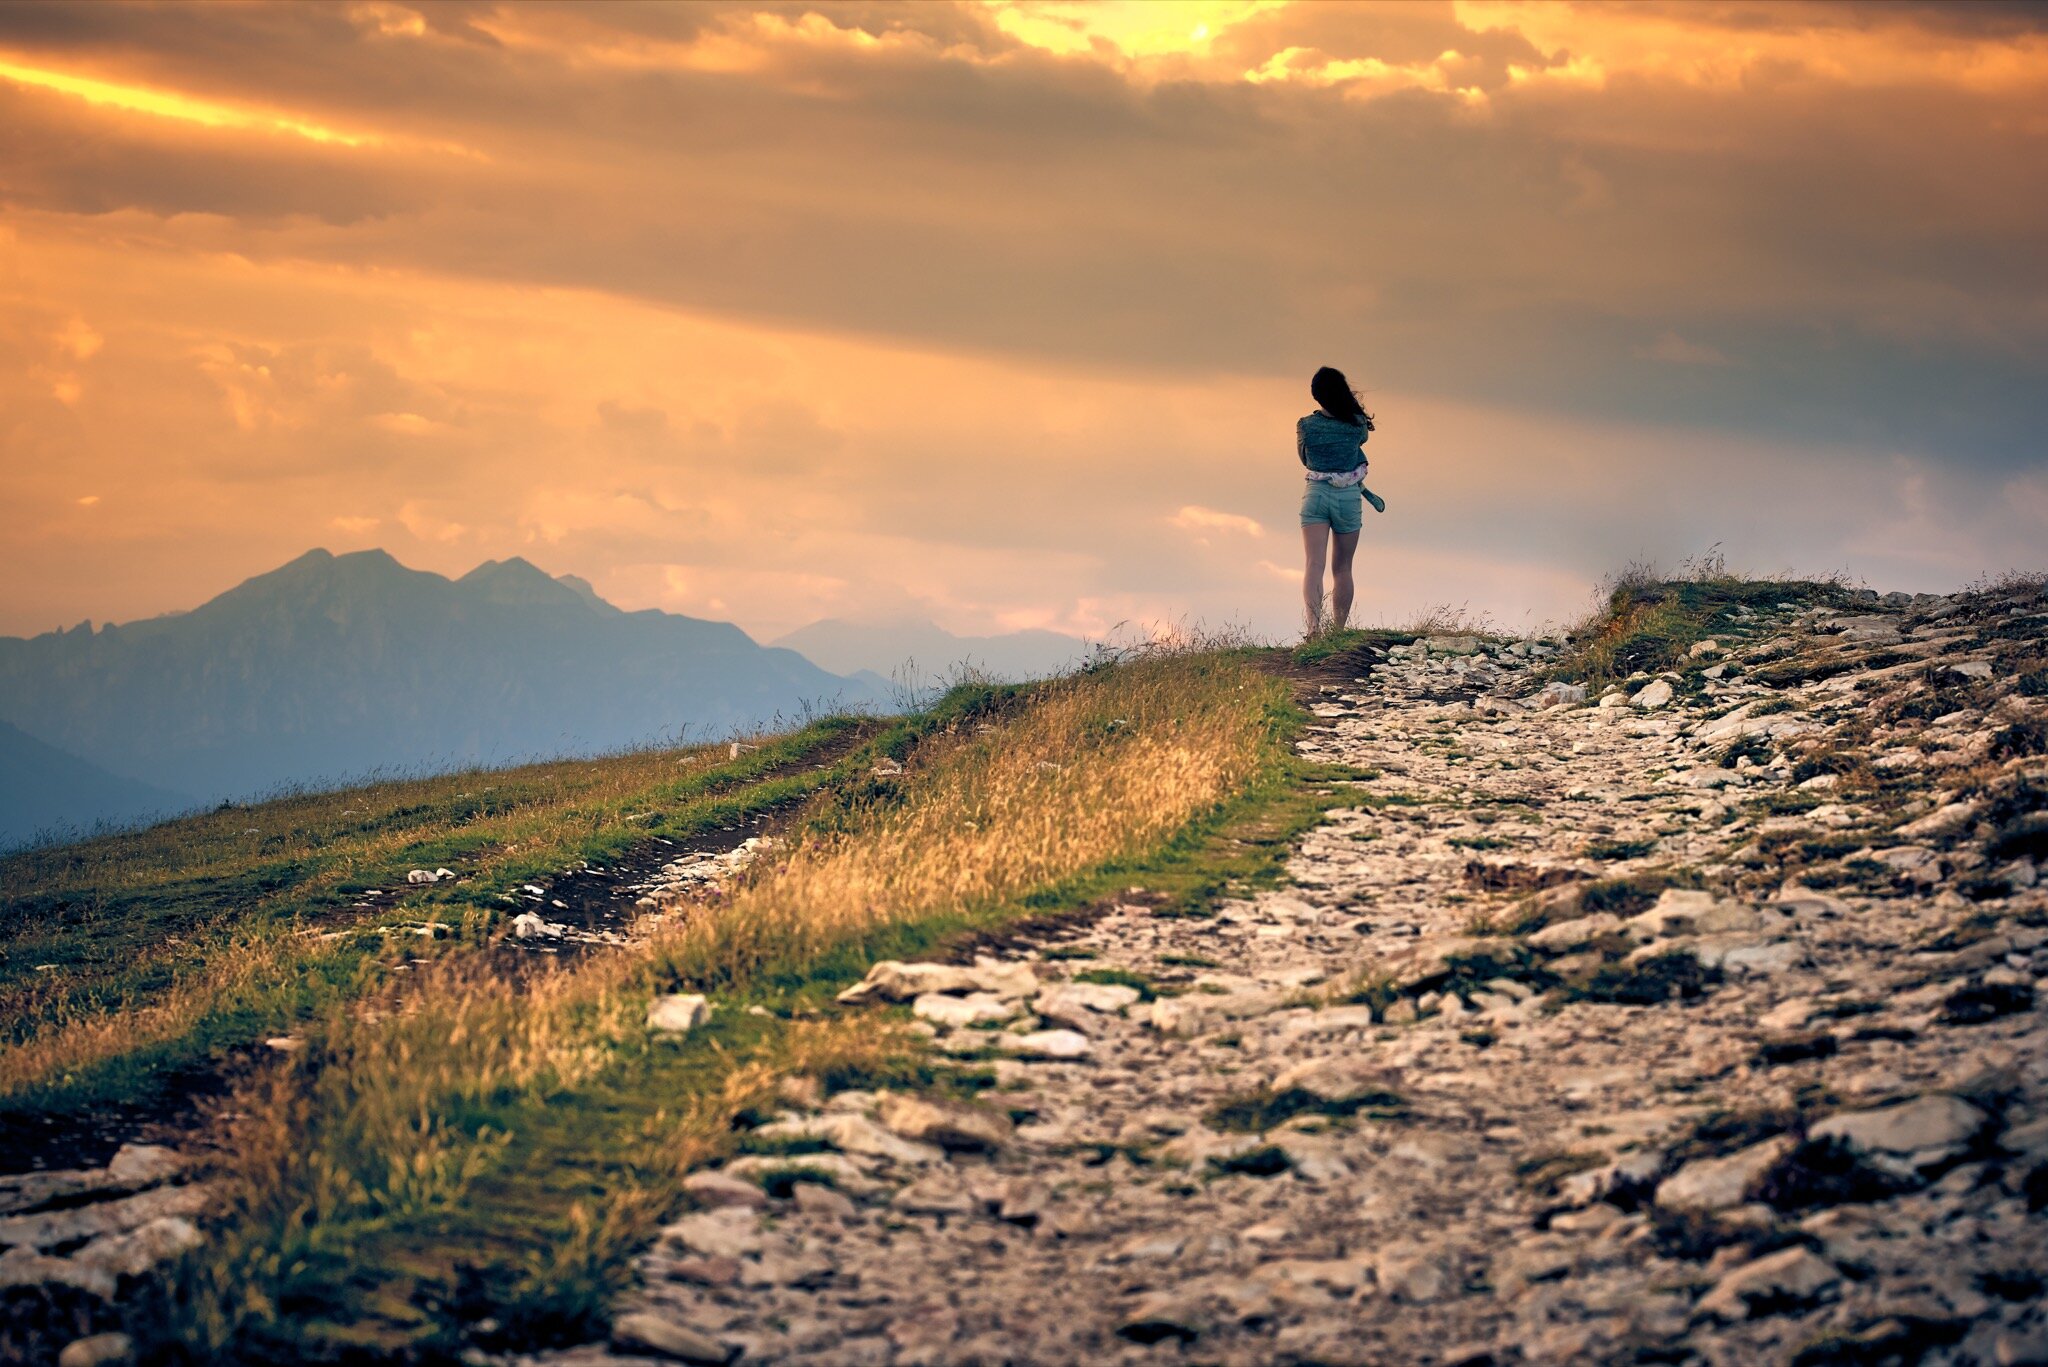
1329	442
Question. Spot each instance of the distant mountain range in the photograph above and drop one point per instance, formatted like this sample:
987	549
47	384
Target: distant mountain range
889	652
44	791
335	667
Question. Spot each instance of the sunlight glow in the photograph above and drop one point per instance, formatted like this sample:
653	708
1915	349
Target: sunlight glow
1135	28
170	105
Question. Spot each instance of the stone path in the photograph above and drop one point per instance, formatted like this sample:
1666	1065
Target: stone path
1700	1024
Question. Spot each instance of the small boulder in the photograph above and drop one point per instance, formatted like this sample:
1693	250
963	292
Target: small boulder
1566	937
941	1193
856	1134
1788	1279
1076	1005
1339	1081
100	1350
1688	911
1926	1125
817	1199
1051	1046
1411	1274
1023	1202
958	1013
1010	980
678	1013
730	1232
712	1190
22	1267
144	1165
1947	820
1435	959
893	981
1560	694
705	1271
1173	1313
949	1124
142	1248
645	1332
1709	1184
1655	694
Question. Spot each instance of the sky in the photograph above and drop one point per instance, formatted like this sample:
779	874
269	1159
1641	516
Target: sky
1001	314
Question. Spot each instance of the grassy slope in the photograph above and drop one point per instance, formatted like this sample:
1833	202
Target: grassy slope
127	960
457	1158
1647	625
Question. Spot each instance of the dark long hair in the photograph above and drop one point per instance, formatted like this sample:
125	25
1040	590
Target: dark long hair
1336	397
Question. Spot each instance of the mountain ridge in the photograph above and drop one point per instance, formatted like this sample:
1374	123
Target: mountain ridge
334	666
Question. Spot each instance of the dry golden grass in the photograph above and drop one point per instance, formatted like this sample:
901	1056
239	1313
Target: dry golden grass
73	1039
1099	765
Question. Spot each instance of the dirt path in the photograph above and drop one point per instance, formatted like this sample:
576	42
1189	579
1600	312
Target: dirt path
1729	1125
597	904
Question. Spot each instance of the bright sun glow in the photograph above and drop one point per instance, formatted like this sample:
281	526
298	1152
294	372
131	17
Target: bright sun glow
170	105
1136	28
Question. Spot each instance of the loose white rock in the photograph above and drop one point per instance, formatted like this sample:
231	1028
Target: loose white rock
100	1350
1795	1276
715	1189
1928	1122
948	1124
644	1331
892	981
1048	1045
678	1013
1708	1184
957	1013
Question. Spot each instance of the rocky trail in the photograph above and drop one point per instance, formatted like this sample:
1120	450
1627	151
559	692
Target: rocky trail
1698	1024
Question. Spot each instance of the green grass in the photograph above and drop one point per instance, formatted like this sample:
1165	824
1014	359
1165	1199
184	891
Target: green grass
1258	1112
1146	989
1327	645
1647	625
1635	893
128	960
1612	849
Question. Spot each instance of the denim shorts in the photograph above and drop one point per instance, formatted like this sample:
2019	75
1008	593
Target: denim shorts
1341	508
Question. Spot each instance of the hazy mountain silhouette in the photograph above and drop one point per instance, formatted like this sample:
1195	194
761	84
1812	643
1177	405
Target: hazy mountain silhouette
881	649
45	791
339	666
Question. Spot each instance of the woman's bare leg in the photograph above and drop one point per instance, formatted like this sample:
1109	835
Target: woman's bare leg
1315	543
1342	547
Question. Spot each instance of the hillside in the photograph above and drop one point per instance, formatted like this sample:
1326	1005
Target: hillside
340	666
1670	992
